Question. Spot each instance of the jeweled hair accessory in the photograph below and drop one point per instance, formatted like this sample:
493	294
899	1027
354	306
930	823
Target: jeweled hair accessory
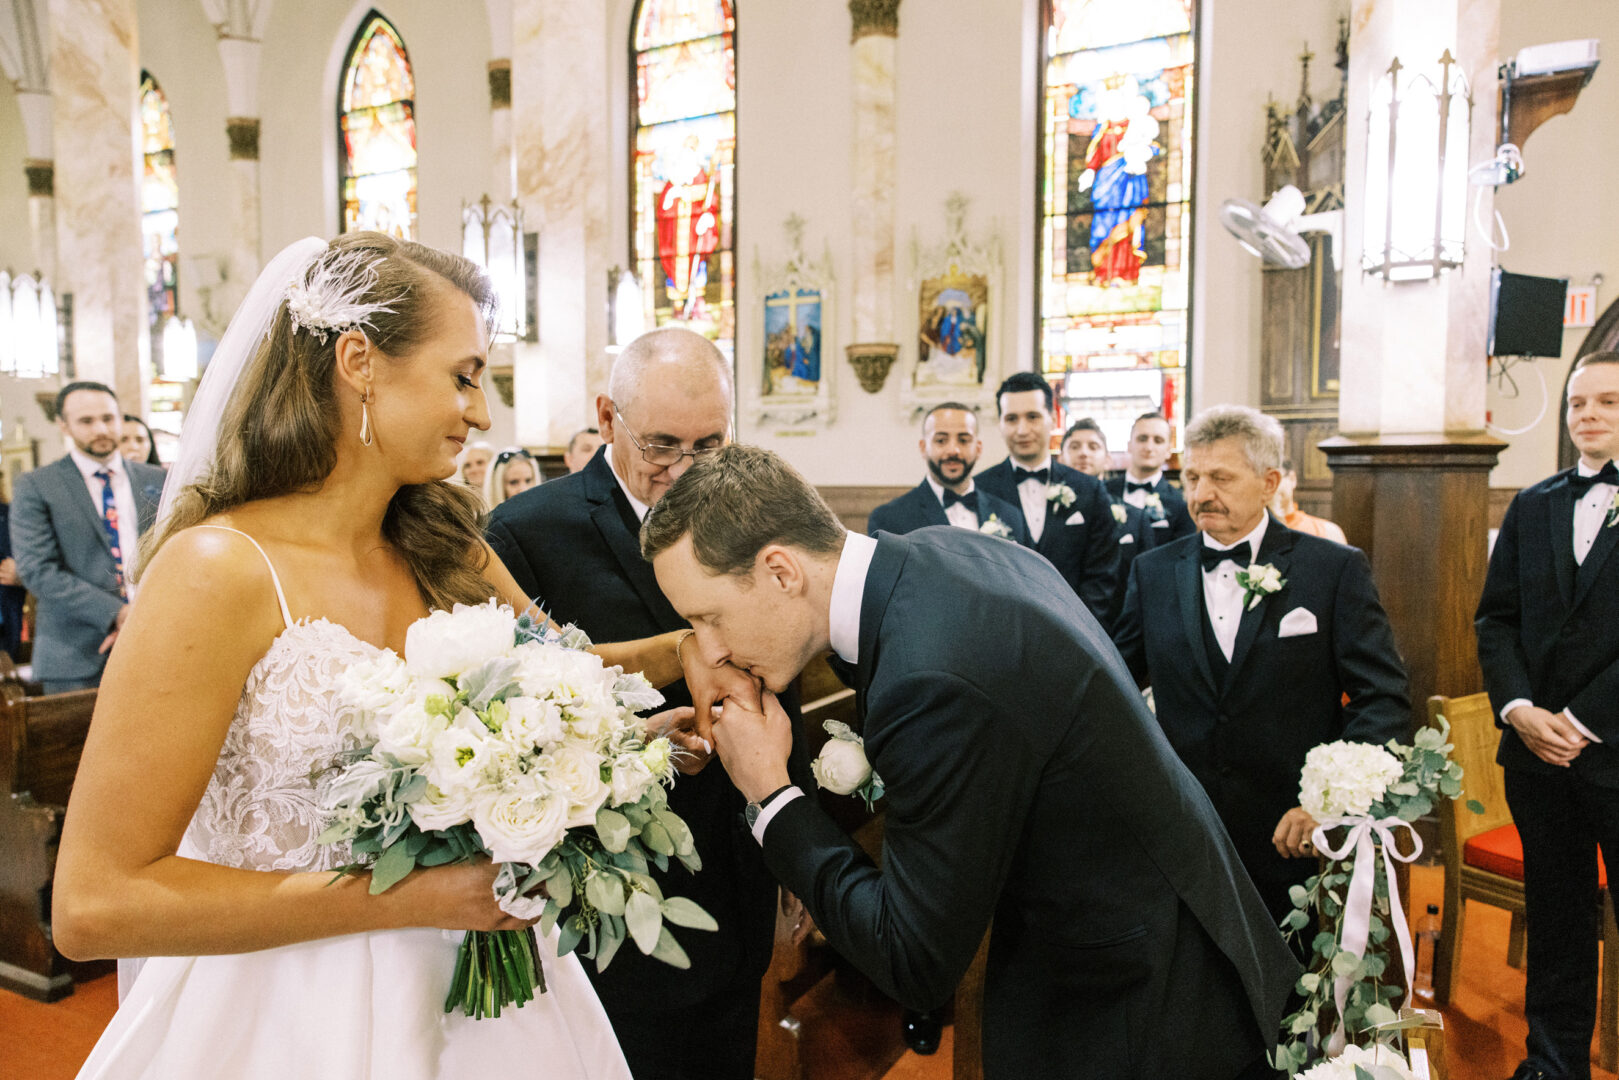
330	300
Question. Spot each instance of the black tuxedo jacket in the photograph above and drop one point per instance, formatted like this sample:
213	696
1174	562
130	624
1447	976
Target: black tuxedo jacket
919	508
1176	521
573	543
1078	540
1548	630
1245	736
1027	782
1135	535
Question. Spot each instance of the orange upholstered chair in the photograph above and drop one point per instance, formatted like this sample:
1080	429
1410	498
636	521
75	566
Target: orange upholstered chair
1484	862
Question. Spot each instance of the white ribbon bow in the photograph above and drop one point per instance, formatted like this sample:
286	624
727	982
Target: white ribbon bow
1358	906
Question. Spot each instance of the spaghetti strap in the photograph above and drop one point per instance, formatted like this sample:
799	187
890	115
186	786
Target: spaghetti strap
275	579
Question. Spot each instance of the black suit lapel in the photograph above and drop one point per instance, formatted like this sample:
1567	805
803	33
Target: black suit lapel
613	518
1276	549
79	495
881	577
1561	499
931	508
1189	590
1585	576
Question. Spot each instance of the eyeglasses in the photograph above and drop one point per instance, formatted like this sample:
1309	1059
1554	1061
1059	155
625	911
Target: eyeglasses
662	453
516	452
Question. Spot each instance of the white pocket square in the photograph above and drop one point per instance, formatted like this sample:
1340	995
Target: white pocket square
1297	623
1161	523
1127	538
1076	518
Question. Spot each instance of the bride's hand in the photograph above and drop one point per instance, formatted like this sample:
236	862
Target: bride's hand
677	726
459	896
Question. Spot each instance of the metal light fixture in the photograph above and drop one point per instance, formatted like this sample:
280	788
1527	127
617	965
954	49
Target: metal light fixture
626	311
492	237
29	349
1416	172
179	349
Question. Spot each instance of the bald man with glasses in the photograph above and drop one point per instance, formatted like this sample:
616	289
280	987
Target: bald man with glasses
574	545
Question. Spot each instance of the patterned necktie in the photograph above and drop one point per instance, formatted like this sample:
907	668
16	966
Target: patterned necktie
109	521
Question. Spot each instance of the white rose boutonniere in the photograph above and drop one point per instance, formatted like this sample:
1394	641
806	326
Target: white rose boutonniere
1259	581
1120	514
841	766
994	526
1154	506
1060	495
1613	511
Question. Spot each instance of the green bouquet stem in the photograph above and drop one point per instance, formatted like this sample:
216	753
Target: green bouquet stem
495	968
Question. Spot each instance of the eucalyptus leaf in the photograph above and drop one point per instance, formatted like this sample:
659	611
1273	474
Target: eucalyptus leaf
549	919
644	919
1302	1022
1346	964
391	868
1475	806
1379	1014
683	912
572	932
679	834
613	828
1362	1074
1299	895
605	891
1308	982
669	951
559	886
1296	919
610	941
692	862
656	837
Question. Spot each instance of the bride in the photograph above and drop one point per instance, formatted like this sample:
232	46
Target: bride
304	527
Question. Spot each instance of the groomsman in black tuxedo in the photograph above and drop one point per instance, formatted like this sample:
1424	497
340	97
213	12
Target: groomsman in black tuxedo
1247	678
947	496
574	543
1025	783
1084	448
1548	641
1068	514
1144	485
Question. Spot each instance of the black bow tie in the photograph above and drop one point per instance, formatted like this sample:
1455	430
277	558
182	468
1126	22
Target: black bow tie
969	500
1242	554
1147	486
1020	474
1583	484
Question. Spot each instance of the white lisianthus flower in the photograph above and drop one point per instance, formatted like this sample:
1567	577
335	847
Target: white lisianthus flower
458	761
520	824
1342	779
841	767
574	772
407	732
447	643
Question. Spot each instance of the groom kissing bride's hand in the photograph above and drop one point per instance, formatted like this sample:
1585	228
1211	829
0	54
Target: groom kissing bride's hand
710	685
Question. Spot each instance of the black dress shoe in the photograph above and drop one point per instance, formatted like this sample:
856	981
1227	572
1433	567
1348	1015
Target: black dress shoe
1527	1072
921	1031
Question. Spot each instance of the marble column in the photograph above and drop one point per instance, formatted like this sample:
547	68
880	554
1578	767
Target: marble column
42	216
1411	468
95	78
504	183
559	101
240	56
875	28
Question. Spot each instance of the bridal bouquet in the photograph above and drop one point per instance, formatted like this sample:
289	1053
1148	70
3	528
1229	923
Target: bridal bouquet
1366	793
497	735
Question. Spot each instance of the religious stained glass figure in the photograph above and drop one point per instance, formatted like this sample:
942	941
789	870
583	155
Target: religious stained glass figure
683	164
160	203
377	128
1115	269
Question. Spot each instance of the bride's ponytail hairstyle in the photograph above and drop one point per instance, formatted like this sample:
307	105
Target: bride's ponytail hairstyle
280	429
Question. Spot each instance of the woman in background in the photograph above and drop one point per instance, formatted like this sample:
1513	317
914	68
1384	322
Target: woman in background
136	442
512	471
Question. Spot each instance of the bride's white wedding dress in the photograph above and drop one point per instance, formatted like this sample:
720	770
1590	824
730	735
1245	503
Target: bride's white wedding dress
359	1007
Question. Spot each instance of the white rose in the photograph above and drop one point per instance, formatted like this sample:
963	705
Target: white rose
520	825
447	643
841	767
531	722
1342	779
631	779
442	810
1373	1061
575	773
407	732
373	685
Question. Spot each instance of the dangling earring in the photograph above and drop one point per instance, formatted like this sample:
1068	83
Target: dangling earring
365	422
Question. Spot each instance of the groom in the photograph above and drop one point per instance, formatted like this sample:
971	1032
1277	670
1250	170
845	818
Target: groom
1026	783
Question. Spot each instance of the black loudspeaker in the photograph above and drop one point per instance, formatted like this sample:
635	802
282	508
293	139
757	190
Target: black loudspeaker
1526	314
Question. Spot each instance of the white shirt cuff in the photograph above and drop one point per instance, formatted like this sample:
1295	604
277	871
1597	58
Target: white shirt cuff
1581	728
768	814
1506	710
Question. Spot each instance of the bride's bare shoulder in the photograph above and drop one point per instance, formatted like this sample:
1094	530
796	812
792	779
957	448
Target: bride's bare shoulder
215	558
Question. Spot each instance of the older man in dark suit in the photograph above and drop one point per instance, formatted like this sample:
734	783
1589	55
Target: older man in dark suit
1025	782
75	525
947	496
1069	516
1548	641
1248	678
573	543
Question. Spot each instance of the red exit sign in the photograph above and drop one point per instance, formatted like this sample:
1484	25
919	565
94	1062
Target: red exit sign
1580	308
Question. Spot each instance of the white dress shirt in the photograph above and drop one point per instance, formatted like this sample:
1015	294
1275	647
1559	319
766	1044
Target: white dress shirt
1590	515
843	624
958	514
123	497
637	505
1032	495
1138	499
1222	594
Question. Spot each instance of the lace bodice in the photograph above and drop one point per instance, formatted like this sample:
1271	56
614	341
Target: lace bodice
259	811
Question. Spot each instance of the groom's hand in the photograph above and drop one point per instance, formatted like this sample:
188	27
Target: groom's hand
711	684
754	745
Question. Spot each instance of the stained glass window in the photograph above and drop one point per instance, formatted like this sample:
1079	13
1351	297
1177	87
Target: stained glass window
1115	255
683	164
160	202
377	125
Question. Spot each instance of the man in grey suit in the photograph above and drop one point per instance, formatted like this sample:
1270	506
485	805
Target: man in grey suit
75	524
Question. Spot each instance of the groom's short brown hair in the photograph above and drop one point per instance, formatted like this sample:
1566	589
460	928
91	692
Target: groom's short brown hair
735	504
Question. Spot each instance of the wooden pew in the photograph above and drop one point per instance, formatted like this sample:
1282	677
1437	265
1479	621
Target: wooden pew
819	1018
41	739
